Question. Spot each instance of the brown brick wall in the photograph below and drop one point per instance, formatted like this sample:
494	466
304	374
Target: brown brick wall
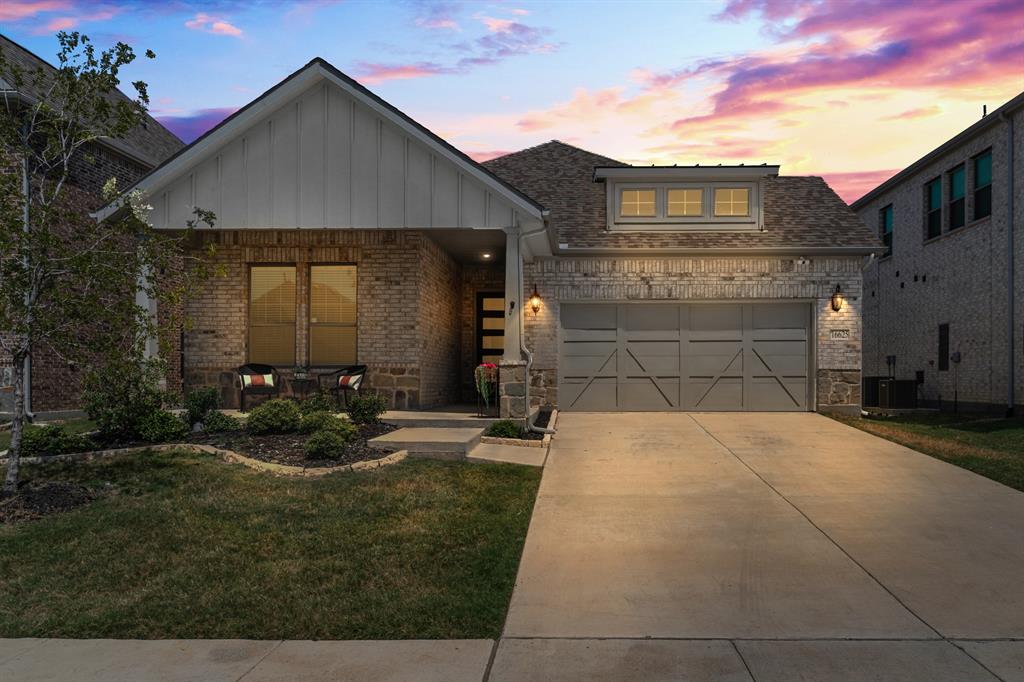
439	326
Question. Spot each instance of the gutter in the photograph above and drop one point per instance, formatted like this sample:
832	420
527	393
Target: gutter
530	426
1010	280
743	251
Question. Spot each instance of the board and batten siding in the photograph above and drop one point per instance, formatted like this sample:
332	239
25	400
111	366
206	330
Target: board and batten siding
324	160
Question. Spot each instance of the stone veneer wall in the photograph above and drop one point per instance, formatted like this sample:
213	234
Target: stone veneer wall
699	279
398	275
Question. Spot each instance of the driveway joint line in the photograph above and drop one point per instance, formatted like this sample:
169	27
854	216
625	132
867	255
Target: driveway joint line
818	528
490	660
262	658
746	665
738	639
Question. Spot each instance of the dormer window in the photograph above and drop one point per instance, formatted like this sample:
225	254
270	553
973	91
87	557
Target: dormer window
691	198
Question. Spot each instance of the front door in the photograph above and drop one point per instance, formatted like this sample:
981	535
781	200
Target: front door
490	327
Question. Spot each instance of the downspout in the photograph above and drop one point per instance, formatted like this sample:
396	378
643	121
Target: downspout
26	227
530	426
1011	360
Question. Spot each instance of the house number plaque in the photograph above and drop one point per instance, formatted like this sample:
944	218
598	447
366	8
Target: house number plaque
839	334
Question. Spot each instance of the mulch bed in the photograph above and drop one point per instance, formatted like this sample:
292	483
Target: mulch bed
36	500
289	448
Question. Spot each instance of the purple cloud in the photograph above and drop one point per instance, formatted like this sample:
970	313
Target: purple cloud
190	127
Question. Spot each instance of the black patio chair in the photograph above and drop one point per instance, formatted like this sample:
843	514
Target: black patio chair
340	382
255	379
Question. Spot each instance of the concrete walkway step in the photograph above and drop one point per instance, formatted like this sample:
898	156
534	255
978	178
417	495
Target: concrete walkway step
508	454
437	419
434	442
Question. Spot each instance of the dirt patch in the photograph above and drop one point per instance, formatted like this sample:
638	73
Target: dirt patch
36	500
290	448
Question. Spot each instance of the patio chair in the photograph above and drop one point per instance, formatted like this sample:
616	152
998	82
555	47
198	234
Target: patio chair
340	382
254	379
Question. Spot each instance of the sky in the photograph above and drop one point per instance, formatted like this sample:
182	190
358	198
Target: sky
852	90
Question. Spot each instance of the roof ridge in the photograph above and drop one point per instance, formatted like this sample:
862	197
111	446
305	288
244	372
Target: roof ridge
536	147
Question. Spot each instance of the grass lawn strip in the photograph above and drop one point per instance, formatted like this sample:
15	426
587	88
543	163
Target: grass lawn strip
988	446
73	425
180	546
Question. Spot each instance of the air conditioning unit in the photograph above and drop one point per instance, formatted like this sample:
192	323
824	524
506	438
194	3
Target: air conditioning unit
897	394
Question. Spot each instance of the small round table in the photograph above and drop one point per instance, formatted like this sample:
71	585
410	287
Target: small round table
302	387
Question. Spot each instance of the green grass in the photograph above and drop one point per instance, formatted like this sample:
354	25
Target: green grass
988	446
73	425
187	546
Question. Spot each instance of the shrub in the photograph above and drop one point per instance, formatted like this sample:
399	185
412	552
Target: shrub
218	422
162	426
200	402
327	444
51	439
274	416
367	409
120	396
321	401
318	421
506	428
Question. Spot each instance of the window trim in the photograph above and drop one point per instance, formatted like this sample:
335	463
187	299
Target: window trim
928	210
309	312
248	313
950	201
661	221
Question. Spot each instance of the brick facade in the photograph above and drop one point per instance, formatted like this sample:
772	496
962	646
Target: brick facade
958	278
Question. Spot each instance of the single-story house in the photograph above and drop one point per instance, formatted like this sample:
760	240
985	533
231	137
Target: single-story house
349	233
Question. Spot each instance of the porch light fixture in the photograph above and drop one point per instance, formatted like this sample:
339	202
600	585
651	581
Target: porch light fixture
837	299
487	256
535	300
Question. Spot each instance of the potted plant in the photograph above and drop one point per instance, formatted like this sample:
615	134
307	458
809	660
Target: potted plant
486	379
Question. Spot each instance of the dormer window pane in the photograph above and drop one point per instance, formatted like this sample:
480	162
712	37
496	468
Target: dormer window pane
638	203
732	201
685	202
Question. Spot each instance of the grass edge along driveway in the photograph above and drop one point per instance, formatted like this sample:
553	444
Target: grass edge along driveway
182	545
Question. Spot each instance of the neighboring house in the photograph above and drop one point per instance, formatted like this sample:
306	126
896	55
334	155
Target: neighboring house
350	233
54	385
945	304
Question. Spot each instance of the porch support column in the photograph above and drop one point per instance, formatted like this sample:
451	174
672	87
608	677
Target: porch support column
512	370
151	347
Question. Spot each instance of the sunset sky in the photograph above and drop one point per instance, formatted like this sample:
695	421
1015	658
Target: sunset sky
852	90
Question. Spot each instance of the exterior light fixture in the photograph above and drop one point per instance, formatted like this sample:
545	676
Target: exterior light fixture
487	256
837	299
535	300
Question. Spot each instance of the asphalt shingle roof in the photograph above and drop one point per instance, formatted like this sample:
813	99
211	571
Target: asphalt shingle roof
799	211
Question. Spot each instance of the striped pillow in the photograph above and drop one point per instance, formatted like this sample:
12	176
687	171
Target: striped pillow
257	380
351	381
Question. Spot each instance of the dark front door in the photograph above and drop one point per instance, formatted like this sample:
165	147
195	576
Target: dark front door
490	327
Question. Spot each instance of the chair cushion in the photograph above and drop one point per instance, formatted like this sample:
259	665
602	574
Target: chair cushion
350	381
249	380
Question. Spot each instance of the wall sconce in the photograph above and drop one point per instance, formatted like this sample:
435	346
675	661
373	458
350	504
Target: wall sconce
535	300
837	299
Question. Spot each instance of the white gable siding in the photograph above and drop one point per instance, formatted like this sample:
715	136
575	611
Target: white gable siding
326	160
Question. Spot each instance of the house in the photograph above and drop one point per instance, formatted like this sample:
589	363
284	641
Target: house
944	304
350	233
53	384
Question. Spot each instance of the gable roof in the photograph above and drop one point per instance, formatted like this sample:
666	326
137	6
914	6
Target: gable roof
148	143
294	84
800	212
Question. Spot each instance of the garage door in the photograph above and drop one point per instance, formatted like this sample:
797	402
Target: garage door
696	356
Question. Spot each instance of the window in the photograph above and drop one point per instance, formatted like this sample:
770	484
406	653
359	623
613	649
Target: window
490	327
957	202
983	185
332	315
885	228
685	202
933	199
272	315
638	203
943	347
732	201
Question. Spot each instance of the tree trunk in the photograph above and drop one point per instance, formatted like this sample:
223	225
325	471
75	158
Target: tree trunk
17	426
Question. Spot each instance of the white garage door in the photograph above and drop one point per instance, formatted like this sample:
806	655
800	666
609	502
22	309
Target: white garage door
695	356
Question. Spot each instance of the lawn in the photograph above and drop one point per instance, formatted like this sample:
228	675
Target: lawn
989	446
73	425
186	546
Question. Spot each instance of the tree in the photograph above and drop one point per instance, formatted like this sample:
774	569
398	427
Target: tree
67	280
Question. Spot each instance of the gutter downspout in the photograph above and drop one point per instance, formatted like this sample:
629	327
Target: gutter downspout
530	426
1011	360
26	227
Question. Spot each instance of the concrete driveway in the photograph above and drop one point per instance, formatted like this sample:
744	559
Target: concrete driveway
765	546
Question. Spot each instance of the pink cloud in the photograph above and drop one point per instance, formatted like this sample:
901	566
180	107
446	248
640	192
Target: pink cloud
19	11
919	112
850	186
59	24
211	24
438	15
191	126
497	25
482	156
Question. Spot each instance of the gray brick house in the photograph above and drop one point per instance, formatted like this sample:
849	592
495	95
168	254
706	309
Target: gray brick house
945	303
351	234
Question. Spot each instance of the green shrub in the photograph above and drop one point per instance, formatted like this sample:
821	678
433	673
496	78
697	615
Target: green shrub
318	421
162	426
200	402
51	439
506	428
367	409
218	422
274	416
120	396
321	401
327	444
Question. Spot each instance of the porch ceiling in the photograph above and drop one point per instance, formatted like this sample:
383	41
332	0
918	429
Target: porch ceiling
470	246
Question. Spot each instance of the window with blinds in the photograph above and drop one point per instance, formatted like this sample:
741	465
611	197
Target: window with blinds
272	315
332	315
